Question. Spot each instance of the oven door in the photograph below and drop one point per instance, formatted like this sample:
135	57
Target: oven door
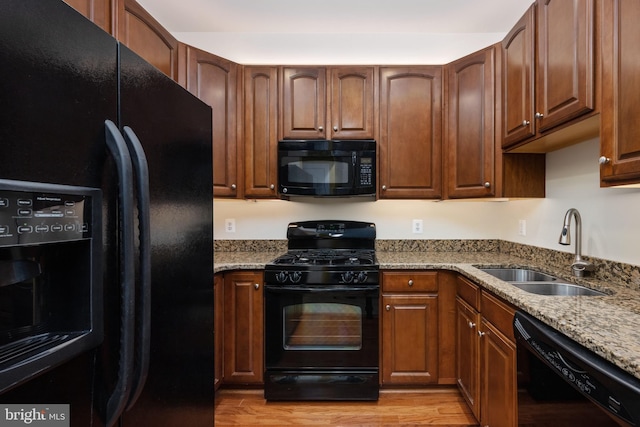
321	327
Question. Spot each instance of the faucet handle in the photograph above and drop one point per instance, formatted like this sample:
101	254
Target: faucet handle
579	268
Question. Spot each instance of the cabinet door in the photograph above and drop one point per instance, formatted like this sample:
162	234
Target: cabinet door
218	329
144	35
97	11
565	67
470	138
351	103
409	339
303	103
260	131
243	320
213	80
499	404
410	142
518	50
620	115
468	355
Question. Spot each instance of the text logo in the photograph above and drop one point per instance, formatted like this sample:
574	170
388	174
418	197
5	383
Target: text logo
34	415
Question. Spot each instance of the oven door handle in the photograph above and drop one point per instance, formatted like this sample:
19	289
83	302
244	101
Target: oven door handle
322	288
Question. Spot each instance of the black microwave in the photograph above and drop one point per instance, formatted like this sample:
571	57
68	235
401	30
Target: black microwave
324	168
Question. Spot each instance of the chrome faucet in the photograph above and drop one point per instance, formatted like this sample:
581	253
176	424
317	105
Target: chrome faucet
579	265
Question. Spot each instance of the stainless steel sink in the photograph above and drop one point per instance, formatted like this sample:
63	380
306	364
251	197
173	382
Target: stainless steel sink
557	289
539	283
519	275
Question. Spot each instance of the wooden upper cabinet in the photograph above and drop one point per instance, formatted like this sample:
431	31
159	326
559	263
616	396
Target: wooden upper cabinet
351	103
410	142
620	115
548	68
469	148
214	81
303	110
518	50
565	69
260	131
100	12
144	35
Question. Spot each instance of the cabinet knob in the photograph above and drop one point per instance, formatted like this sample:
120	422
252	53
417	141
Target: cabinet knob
335	128
526	123
410	283
487	184
384	187
233	186
472	325
480	334
539	115
387	307
603	160
320	128
256	286
272	187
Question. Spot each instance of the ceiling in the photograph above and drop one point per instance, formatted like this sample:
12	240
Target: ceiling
240	25
337	16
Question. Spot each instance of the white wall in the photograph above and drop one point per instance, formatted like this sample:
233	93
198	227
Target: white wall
610	217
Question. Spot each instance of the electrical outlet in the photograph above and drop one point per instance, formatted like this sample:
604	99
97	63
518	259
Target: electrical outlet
417	226
230	225
522	227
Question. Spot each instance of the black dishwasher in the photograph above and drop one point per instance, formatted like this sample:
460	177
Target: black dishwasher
601	382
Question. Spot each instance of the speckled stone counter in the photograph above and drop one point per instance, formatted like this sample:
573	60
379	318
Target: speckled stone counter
608	325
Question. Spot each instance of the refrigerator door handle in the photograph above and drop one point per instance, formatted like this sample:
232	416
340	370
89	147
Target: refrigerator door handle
116	402
143	317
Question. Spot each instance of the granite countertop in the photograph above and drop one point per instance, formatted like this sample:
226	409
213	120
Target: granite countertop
607	325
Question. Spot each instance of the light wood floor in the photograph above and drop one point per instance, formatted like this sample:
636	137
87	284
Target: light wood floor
441	407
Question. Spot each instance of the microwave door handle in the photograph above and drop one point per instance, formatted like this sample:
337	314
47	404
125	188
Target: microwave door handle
116	402
143	318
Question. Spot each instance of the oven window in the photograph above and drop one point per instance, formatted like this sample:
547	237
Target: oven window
331	170
322	326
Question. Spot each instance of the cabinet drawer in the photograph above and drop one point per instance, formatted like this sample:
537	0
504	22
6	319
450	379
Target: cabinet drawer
468	291
409	281
499	313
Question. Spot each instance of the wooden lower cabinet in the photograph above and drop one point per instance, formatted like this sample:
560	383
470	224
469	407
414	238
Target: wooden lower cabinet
243	324
409	328
486	362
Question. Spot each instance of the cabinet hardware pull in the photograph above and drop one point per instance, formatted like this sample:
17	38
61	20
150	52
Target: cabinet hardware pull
472	325
256	286
233	186
384	187
525	123
410	282
388	307
272	186
539	115
320	128
480	333
487	184
603	160
335	128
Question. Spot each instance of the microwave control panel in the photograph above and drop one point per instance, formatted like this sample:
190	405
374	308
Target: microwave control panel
366	171
33	217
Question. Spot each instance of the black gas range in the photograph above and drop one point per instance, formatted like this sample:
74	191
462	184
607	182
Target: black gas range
322	312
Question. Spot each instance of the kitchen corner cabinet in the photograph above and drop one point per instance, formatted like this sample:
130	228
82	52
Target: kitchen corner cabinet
620	129
486	355
342	108
260	131
410	141
214	80
140	32
97	11
218	329
548	69
409	328
244	332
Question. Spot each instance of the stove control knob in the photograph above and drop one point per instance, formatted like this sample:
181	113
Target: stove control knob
347	277
295	276
361	277
281	277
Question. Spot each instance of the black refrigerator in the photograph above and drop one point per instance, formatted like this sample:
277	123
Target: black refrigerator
68	92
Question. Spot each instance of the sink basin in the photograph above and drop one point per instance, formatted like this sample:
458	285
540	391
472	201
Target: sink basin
519	275
557	289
